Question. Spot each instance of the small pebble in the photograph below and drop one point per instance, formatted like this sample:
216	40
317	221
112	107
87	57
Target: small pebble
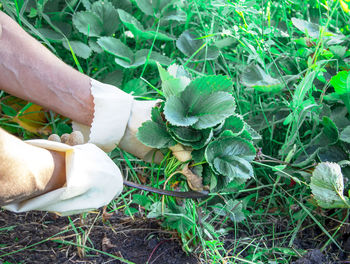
75	138
64	138
54	137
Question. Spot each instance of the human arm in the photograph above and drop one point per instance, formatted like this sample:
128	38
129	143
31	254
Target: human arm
30	71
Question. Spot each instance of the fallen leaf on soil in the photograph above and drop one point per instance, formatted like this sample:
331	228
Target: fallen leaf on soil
106	243
105	215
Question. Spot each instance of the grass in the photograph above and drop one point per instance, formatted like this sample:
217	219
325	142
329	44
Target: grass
279	213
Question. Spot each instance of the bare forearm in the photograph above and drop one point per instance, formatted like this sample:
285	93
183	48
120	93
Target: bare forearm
30	71
27	171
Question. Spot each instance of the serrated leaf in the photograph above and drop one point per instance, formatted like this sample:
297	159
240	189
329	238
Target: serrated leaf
88	23
234	124
327	186
198	156
202	104
154	135
79	48
156	116
145	6
136	87
176	112
188	136
345	135
311	29
213	83
213	109
170	84
232	208
189	43
142	200
138	30
231	157
200	111
255	136
108	15
94	46
140	58
156	210
117	48
253	76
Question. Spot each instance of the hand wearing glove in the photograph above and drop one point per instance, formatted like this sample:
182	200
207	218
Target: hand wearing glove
53	176
117	117
106	115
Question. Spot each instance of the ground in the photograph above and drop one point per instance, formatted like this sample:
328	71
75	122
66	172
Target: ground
39	238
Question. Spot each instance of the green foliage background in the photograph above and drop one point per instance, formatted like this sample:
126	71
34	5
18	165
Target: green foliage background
289	63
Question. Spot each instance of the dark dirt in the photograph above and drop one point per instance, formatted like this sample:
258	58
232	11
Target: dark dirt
312	257
40	238
306	245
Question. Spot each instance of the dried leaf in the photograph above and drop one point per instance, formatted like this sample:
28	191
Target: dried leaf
33	120
194	181
106	243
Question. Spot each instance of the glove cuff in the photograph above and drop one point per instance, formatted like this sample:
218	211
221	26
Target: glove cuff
92	181
112	109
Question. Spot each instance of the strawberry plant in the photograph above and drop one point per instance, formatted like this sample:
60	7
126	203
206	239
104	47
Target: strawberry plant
197	121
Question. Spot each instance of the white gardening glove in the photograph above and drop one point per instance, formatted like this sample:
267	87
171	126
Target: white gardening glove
117	117
92	181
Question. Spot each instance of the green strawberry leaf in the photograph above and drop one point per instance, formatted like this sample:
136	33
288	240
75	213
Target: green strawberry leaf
213	109
136	87
140	58
108	16
117	48
176	112
232	209
231	157
212	83
79	48
188	136
204	103
88	23
154	135
138	30
170	84
341	82
253	76
200	111
345	135
234	124
190	44
327	186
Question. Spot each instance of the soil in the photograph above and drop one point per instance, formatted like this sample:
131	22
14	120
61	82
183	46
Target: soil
37	237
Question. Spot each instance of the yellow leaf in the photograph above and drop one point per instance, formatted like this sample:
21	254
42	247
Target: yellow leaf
33	120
